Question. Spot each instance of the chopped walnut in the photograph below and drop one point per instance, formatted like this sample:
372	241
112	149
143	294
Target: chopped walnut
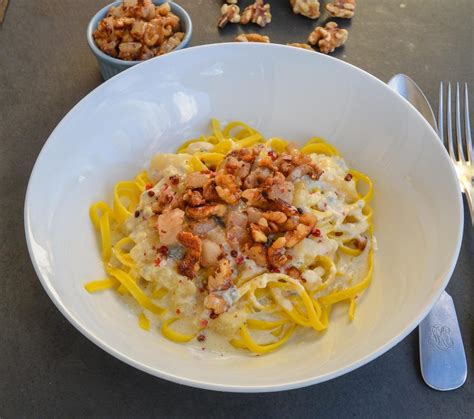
285	207
209	192
273	227
291	224
138	30
258	13
220	280
237	167
189	265
342	8
227	187
206	211
276	253
308	8
129	50
328	38
257	234
230	14
267	162
299	45
263	224
277	217
295	236
257	253
232	1
254	198
171	43
307	222
193	198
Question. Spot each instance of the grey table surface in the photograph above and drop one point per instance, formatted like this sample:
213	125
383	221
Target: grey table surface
48	369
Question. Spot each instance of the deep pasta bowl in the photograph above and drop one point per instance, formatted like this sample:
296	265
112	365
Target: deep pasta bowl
113	132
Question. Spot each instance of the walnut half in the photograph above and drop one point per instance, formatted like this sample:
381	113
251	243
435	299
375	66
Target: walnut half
341	8
252	37
328	38
230	13
308	8
258	13
300	45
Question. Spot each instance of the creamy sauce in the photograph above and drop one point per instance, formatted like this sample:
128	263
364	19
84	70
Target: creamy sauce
331	199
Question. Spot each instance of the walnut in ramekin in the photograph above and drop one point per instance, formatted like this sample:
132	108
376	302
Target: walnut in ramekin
138	30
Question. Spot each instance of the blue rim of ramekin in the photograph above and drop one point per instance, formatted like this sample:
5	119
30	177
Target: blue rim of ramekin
175	8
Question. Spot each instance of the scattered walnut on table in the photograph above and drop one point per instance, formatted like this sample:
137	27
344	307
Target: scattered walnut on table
341	8
258	13
308	8
328	38
299	45
230	14
252	37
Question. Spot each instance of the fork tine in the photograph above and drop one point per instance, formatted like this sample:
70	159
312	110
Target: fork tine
467	125
458	126
450	124
441	113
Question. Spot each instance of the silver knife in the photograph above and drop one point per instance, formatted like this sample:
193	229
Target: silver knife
442	357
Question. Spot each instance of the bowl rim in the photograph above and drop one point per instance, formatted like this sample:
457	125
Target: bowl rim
175	8
380	350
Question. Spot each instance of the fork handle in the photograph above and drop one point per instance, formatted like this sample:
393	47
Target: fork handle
442	356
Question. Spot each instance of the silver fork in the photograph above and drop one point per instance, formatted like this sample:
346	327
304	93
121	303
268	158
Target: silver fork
456	144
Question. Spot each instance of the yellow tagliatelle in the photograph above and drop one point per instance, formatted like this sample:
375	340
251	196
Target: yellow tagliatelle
275	305
169	333
103	284
144	322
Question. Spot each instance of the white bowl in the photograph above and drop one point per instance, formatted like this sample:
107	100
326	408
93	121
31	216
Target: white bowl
113	132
